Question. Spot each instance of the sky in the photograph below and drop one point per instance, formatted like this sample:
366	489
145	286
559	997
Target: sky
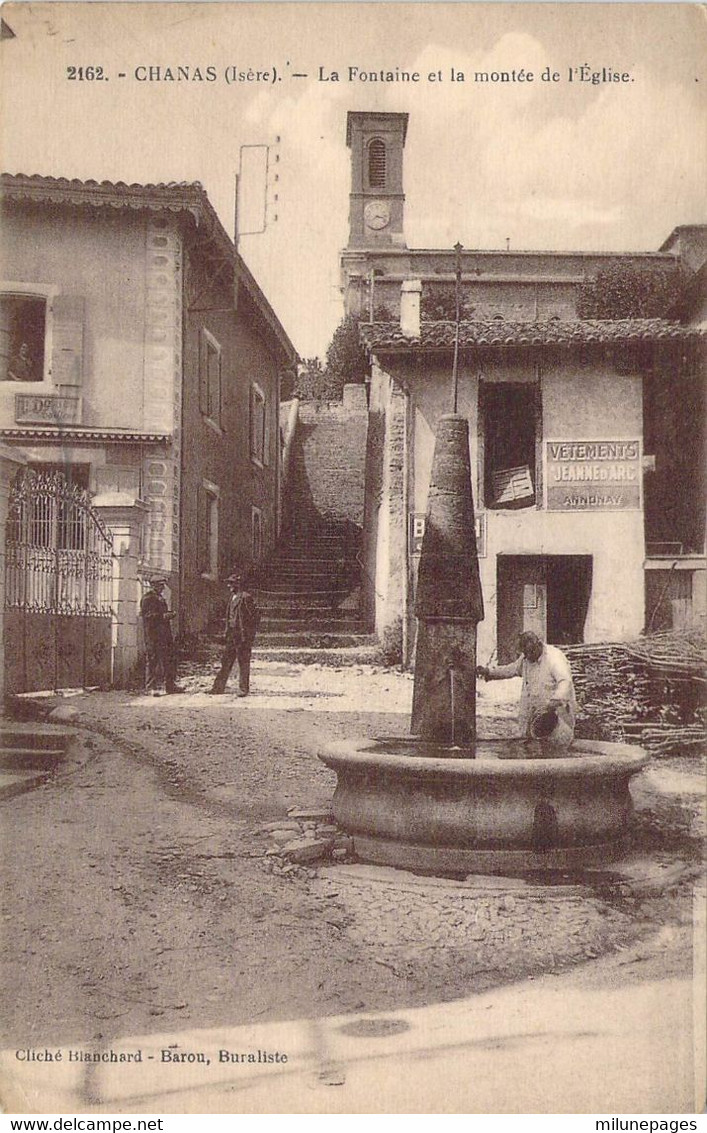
595	165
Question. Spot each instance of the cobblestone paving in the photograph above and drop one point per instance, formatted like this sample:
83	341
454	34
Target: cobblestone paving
408	928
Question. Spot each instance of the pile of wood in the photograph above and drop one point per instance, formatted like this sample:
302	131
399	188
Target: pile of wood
648	692
675	655
667	739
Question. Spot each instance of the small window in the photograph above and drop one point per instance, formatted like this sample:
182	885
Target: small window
257	424
510	423
210	377
208	530
23	321
376	164
257	534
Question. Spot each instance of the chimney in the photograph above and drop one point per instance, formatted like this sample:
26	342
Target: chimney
410	308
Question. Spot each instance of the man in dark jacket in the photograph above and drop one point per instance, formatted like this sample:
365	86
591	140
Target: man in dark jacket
159	643
242	618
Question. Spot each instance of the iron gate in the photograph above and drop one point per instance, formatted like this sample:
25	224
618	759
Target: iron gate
58	587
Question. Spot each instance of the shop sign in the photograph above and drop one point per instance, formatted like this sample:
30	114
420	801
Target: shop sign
417	531
593	475
46	409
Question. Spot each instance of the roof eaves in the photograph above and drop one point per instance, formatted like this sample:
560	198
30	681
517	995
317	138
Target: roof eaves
178	197
93	435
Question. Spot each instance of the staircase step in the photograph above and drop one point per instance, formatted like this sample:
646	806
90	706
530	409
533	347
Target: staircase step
343	623
17	735
32	747
17	782
301	582
30	758
312	553
296	559
284	600
312	639
334	656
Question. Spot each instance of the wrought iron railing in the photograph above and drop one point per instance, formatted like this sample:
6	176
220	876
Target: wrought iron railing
58	555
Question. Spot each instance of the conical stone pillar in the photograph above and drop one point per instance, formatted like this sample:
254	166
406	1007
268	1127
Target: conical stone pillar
449	603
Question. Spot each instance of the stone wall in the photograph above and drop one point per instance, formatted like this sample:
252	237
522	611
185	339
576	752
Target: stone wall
333	440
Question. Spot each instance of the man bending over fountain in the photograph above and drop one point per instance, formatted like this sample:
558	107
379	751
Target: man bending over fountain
548	707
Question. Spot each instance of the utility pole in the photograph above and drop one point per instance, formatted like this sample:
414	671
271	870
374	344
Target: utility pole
239	180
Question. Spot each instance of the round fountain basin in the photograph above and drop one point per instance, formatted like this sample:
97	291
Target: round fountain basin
416	805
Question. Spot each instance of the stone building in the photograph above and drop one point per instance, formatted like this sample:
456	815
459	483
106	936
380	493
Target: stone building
583	491
139	357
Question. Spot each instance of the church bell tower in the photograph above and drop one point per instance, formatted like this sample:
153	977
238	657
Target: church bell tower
376	201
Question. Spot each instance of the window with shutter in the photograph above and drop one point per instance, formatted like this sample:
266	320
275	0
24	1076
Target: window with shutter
257	534
510	421
23	329
207	529
257	424
210	377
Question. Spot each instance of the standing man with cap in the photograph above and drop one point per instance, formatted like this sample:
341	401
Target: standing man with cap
548	707
159	642
242	618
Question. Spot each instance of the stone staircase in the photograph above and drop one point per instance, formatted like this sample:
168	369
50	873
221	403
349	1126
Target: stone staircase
310	604
311	594
29	753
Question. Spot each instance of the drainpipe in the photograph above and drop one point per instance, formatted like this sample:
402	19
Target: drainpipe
410	295
406	541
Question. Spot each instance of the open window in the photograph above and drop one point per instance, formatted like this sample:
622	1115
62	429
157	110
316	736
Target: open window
41	338
23	327
510	423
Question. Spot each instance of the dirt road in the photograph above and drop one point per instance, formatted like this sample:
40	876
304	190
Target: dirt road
137	899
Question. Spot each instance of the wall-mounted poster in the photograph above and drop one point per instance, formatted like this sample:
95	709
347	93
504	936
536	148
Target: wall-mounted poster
593	475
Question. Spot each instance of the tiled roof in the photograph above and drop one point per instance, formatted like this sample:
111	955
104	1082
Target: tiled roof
173	196
498	332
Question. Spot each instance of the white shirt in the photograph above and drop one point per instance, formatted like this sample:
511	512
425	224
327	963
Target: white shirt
547	679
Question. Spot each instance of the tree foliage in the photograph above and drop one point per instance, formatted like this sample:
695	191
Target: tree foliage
345	362
346	359
624	291
310	382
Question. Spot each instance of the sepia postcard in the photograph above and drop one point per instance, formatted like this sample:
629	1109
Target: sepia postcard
352	570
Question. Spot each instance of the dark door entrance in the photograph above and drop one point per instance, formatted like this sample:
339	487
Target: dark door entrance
548	594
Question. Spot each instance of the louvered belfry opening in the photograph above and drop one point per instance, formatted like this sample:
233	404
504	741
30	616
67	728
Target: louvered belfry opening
376	164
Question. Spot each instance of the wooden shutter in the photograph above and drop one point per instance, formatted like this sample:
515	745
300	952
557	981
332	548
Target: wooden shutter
67	323
203	373
202	530
267	429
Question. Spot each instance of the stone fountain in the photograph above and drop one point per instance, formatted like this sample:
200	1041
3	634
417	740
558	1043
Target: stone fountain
441	801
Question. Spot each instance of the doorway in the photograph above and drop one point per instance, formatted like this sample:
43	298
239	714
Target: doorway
546	594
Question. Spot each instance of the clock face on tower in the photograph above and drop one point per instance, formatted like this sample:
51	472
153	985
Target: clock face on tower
377	214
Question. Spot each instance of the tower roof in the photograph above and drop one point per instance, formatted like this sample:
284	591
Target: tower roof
375	118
